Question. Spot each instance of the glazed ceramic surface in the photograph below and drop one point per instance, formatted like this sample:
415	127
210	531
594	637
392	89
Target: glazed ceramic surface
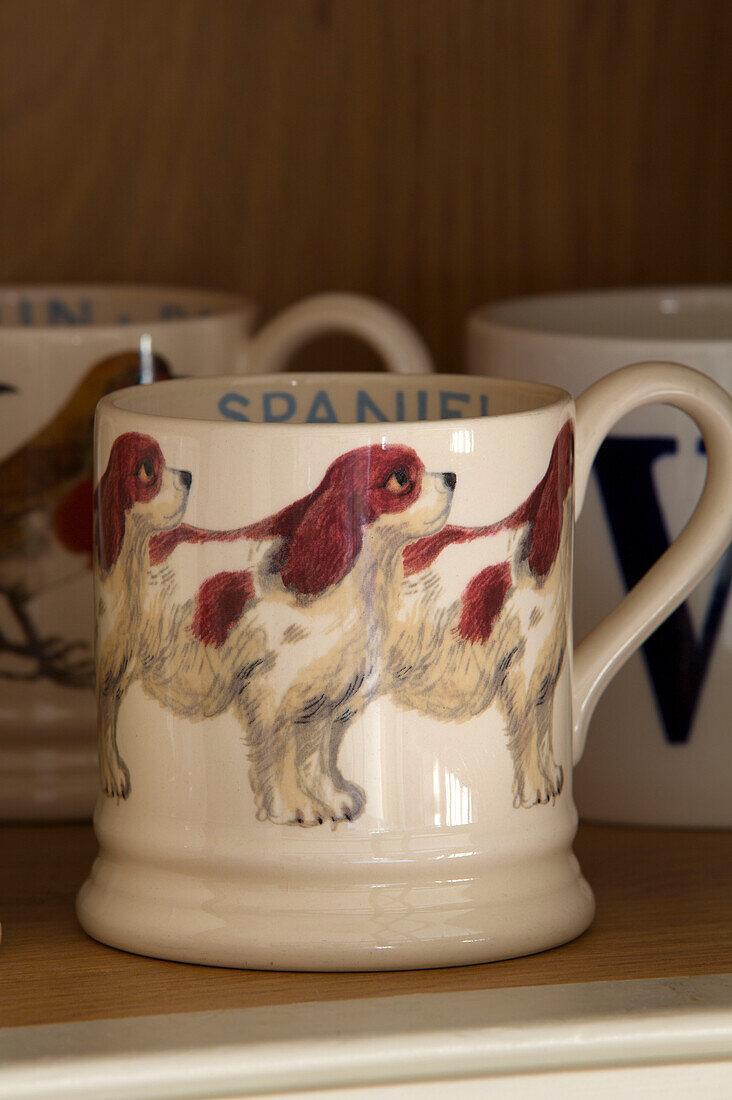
61	350
660	750
338	700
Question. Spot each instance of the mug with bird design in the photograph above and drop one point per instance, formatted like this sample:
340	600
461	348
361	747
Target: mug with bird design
61	350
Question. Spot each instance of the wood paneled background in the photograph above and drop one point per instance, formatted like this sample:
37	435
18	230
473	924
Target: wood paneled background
436	153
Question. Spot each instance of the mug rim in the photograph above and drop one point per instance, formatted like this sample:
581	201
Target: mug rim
114	402
505	314
222	302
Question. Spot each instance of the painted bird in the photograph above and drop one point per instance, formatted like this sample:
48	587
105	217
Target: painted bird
46	496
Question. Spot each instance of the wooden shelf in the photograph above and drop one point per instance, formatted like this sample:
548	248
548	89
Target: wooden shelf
664	903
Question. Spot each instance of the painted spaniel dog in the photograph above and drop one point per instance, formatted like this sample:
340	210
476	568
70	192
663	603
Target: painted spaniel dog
502	640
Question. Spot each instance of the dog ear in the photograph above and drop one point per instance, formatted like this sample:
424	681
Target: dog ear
325	543
110	506
546	526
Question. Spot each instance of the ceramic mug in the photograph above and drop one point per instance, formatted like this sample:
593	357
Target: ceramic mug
338	700
61	349
660	754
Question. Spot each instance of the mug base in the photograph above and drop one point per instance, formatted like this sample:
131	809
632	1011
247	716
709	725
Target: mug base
205	918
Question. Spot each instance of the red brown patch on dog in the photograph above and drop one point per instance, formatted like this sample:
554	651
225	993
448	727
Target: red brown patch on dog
120	487
544	509
220	603
420	555
323	532
163	543
482	602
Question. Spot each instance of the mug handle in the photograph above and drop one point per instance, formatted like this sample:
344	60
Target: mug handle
389	334
702	542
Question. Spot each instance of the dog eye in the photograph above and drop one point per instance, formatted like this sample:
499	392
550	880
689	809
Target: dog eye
146	472
397	480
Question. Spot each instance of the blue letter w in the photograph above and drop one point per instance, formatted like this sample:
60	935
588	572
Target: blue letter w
677	661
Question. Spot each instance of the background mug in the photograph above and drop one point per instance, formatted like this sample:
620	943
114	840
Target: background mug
338	701
661	753
61	349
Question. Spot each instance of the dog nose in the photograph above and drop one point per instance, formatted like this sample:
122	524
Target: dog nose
450	480
186	478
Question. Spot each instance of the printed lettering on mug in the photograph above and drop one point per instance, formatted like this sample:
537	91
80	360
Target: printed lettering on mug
281	406
60	310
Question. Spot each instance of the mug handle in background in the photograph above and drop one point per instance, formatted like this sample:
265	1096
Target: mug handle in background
702	542
388	333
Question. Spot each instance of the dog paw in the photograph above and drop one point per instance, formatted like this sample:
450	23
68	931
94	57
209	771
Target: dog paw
341	800
538	788
115	779
347	804
301	810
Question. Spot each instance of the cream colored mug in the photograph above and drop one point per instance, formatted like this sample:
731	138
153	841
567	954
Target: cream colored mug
61	349
339	703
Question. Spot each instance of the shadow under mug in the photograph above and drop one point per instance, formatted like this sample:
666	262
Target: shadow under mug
61	349
660	753
339	701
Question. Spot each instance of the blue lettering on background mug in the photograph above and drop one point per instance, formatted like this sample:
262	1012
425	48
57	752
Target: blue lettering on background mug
69	309
677	656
